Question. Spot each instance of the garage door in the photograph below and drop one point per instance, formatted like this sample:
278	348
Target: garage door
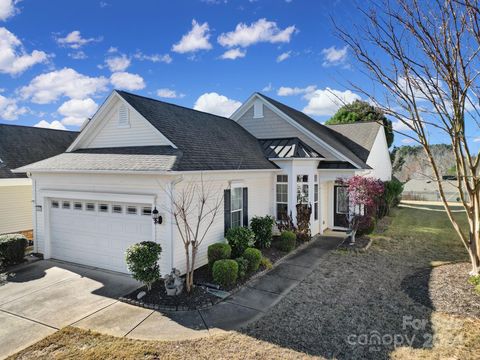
97	233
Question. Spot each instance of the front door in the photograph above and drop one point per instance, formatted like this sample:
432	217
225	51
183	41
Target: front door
340	206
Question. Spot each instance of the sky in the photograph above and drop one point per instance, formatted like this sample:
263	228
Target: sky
59	60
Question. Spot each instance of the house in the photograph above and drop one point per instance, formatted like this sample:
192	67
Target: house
22	145
96	199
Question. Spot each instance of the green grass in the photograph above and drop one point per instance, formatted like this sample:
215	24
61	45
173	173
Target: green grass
424	237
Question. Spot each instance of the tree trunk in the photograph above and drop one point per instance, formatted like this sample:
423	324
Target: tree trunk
187	257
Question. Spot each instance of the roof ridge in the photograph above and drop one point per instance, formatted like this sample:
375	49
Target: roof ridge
172	104
39	128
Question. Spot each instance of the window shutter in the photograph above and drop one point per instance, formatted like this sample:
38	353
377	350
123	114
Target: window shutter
245	207
226	210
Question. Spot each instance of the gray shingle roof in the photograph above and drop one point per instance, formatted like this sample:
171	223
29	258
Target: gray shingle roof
141	158
321	131
359	137
207	142
287	148
22	145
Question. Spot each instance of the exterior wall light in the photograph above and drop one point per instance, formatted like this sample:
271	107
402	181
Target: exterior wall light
157	219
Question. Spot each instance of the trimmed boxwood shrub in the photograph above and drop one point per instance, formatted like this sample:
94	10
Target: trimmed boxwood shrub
253	256
262	228
265	263
142	262
287	241
240	238
218	251
225	272
12	248
242	267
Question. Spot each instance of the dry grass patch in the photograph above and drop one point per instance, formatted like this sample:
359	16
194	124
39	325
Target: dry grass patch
75	343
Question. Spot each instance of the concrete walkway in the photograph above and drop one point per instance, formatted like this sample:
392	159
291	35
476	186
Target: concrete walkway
246	305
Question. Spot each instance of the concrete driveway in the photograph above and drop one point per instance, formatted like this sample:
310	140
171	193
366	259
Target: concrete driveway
48	295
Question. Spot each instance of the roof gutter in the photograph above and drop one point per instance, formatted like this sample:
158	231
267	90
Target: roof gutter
141	172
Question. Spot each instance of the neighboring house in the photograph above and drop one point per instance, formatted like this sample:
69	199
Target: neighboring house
22	145
427	190
95	200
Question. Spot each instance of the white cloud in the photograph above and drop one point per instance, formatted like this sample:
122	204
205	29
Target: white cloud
216	104
169	94
118	63
408	141
13	58
260	31
233	54
76	111
477	139
166	58
268	88
289	91
74	40
9	110
328	101
7	9
402	125
333	56
55	124
127	81
195	40
112	49
283	56
78	55
46	88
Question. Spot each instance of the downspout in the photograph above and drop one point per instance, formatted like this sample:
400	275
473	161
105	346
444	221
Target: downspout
173	183
34	189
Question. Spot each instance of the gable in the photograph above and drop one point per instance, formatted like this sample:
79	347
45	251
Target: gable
118	124
379	157
272	126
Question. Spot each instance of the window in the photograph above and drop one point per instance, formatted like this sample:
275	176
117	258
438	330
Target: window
117	209
342	200
90	207
315	201
258	109
237	207
66	205
55	204
131	210
147	211
78	206
103	207
282	196
123	120
302	189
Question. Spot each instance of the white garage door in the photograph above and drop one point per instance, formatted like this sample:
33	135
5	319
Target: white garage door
97	233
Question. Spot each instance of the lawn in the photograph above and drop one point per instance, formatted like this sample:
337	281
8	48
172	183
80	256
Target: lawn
346	297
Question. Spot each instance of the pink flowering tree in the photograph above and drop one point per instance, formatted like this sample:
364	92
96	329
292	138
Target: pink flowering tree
364	195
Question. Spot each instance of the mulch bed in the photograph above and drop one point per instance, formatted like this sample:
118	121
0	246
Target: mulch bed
445	288
158	299
362	243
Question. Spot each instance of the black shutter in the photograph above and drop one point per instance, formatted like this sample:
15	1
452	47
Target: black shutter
227	210
245	207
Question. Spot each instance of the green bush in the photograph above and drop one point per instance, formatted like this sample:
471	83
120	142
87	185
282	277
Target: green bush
225	272
218	251
253	256
475	281
265	263
287	241
392	193
239	239
142	262
12	248
368	226
242	267
262	228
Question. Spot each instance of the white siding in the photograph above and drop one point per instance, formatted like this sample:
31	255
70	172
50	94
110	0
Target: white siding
260	203
379	158
272	126
15	208
109	134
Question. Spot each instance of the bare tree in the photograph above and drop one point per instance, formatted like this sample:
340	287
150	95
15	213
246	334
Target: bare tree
194	207
423	60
